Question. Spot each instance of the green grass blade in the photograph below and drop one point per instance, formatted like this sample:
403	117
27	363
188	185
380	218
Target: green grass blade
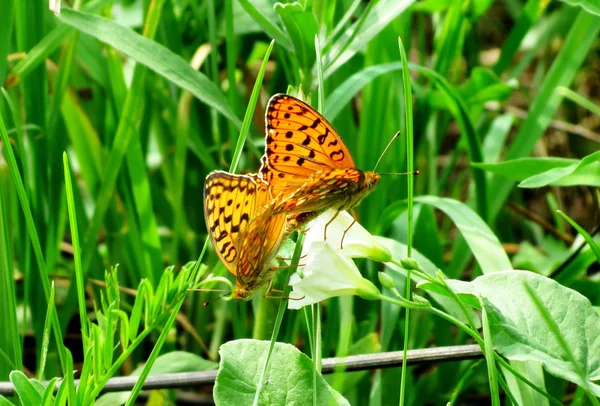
250	111
49	44
10	343
6	10
155	353
378	18
50	313
586	236
531	12
32	232
581	37
152	55
267	19
408	119
76	254
489	359
579	99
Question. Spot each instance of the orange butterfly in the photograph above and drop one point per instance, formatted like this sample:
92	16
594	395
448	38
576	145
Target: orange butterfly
306	162
305	170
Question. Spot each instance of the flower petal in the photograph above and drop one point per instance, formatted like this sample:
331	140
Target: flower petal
326	274
357	243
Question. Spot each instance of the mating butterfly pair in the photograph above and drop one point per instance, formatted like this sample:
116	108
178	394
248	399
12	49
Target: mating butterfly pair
306	170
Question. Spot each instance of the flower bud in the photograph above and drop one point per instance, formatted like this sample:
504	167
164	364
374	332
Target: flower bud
367	290
409	264
386	280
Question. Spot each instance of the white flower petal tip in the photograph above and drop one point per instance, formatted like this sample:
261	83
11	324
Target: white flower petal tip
357	241
327	274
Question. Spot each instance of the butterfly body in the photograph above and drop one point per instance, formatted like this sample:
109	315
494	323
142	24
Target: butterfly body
340	189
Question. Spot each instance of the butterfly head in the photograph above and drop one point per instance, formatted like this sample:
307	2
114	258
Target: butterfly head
242	292
371	181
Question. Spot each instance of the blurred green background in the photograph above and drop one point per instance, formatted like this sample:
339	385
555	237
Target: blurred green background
141	129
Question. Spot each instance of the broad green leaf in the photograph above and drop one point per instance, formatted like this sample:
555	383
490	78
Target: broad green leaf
153	55
483	243
591	6
519	332
289	378
522	168
28	393
555	175
302	28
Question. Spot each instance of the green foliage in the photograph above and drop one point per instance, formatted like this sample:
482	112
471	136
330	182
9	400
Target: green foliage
114	111
289	379
521	330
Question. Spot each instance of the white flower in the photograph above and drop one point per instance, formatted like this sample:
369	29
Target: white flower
327	274
357	243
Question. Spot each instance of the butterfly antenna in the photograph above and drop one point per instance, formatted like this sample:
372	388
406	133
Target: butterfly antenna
215	299
401	173
385	150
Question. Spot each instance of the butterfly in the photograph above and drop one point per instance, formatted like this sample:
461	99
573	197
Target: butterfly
307	164
231	204
306	169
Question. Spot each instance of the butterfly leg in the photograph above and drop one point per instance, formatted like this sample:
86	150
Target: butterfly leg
344	235
289	259
328	223
270	289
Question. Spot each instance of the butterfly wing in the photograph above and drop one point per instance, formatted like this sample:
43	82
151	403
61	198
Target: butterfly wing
335	188
261	243
300	142
231	204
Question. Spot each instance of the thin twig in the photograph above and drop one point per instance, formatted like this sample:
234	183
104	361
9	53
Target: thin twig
536	218
348	364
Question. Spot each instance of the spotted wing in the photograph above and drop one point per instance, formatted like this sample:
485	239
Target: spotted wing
299	142
261	243
231	203
323	190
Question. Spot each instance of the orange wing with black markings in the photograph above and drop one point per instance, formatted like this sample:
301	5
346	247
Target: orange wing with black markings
231	204
299	142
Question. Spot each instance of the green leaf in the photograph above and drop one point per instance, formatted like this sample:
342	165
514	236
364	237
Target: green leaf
520	332
5	402
588	238
379	17
483	86
483	243
555	175
582	34
153	55
27	392
262	13
302	28
342	95
591	6
289	377
523	168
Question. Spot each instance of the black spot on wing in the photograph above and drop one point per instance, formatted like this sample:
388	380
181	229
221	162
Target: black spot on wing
337	155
